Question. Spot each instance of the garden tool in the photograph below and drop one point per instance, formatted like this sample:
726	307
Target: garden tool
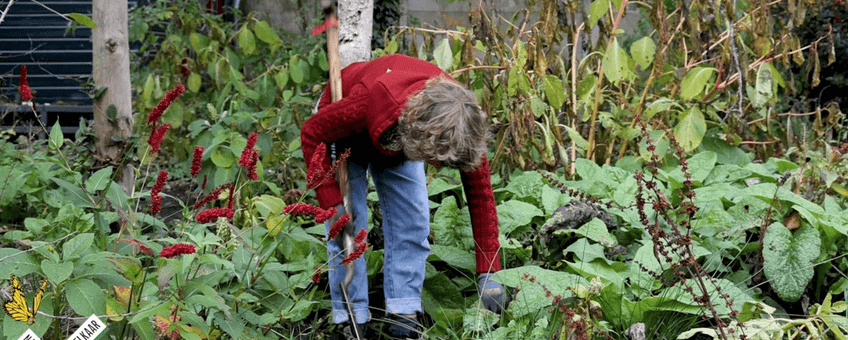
346	237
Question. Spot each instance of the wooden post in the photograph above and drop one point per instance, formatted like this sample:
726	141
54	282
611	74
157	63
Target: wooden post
111	71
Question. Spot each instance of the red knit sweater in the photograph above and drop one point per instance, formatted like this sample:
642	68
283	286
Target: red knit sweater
374	94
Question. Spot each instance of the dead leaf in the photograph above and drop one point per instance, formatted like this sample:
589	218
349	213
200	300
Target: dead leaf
792	221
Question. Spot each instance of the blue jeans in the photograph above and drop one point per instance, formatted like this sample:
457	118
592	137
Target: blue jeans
402	190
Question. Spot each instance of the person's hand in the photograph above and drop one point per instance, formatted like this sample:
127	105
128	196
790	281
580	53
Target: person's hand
492	294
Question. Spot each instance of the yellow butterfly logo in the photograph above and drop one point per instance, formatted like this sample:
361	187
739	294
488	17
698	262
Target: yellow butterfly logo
17	306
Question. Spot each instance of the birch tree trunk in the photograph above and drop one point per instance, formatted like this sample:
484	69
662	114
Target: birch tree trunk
113	121
356	19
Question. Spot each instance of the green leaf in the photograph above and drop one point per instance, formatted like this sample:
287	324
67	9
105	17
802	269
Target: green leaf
575	137
443	54
789	258
198	42
513	214
585	251
76	246
695	82
99	180
282	78
554	92
616	64
597	231
74	193
528	186
194	82
265	33
597	10
82	19
295	71
16	262
56	137
643	51
691	129
555	281
454	256
223	157
765	87
246	41
659	105
452	226
85	297
57	272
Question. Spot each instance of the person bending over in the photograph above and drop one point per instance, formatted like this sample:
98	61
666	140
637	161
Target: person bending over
398	112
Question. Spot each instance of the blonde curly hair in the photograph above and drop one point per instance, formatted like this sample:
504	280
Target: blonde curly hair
443	123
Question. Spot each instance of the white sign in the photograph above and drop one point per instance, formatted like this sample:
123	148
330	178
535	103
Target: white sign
89	330
29	335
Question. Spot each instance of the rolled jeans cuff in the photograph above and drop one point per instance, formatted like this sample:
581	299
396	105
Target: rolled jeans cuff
403	306
362	315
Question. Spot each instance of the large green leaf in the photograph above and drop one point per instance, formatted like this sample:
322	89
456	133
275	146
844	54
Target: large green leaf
85	297
453	256
246	41
597	10
788	258
617	64
695	82
76	246
643	51
691	129
57	272
554	92
265	33
513	214
451	225
766	87
443	54
659	105
16	262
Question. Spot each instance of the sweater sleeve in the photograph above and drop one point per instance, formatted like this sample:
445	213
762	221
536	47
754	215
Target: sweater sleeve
484	217
331	123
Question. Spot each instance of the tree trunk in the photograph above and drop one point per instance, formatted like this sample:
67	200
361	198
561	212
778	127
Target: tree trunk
356	19
113	121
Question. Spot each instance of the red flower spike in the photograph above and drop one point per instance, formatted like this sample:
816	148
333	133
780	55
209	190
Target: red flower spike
165	103
212	214
213	195
316	276
325	215
176	250
340	160
156	136
155	199
196	160
302	209
357	253
155	205
230	197
251	169
337	227
247	153
160	182
26	92
360	236
315	174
